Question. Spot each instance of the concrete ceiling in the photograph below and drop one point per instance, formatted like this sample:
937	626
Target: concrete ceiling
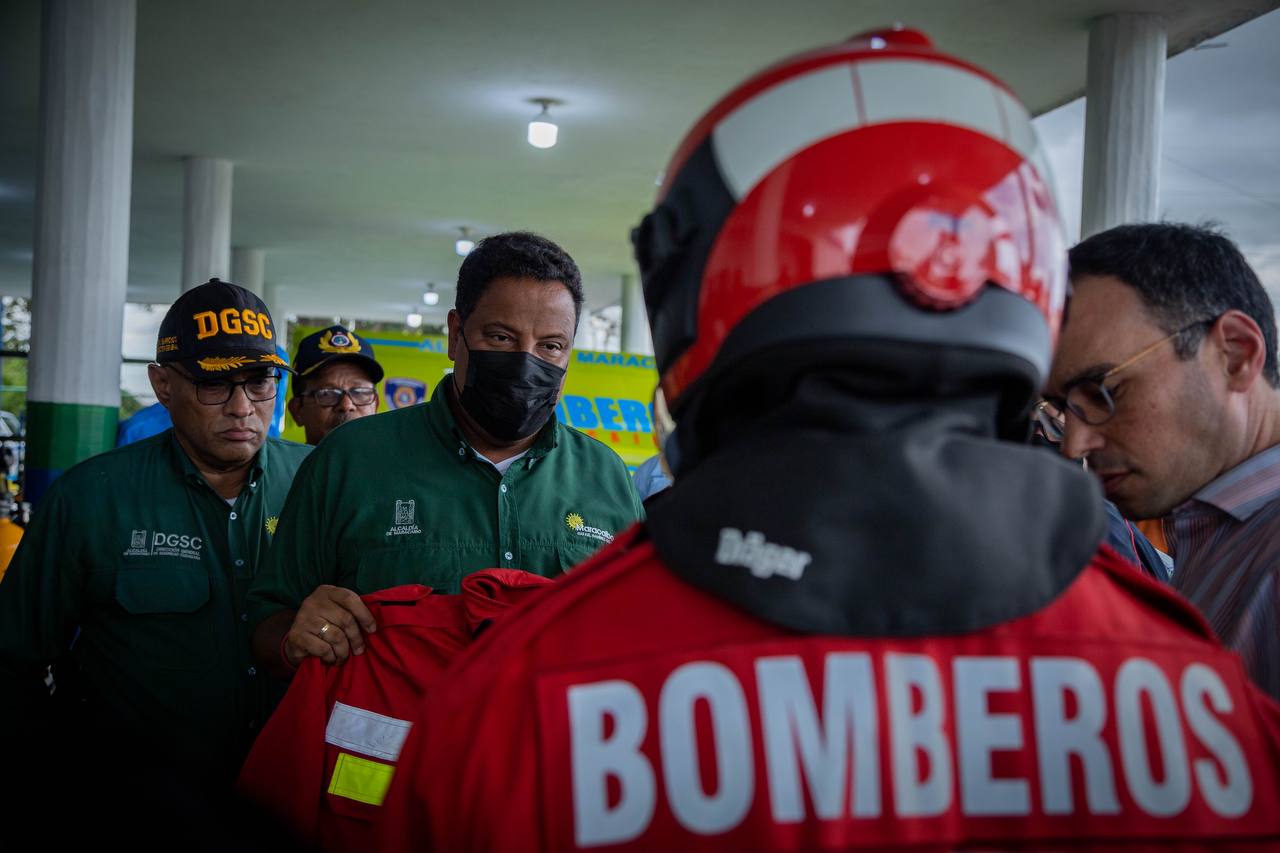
365	133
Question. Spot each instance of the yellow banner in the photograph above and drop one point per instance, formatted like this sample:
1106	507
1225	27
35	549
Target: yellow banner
607	395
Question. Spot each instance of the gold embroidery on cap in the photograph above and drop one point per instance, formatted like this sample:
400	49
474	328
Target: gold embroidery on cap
231	363
232	321
339	342
206	324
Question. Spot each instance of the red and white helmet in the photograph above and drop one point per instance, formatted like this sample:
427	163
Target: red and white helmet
872	191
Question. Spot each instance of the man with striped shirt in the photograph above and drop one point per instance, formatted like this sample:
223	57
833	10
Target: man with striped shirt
1167	371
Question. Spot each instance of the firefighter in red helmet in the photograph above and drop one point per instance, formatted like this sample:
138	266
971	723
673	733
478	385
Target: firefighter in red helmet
860	617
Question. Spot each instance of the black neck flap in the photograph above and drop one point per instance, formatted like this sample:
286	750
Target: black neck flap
891	519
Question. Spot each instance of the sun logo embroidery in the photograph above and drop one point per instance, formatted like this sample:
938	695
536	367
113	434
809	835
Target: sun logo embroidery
272	523
575	522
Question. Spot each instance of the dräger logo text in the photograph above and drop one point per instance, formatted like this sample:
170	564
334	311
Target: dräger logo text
764	559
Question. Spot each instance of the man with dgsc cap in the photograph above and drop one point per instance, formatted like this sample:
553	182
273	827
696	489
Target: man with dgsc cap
131	579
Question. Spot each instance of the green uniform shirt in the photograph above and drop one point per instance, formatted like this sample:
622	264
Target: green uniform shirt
401	497
139	567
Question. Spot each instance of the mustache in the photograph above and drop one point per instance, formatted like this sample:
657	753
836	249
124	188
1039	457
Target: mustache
1104	462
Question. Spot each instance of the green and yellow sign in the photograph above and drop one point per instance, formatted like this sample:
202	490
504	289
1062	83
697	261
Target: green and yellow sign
606	395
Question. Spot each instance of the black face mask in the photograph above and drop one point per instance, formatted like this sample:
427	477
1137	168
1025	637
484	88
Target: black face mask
509	394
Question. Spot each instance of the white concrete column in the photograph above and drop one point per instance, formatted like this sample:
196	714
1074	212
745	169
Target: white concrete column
635	335
248	267
272	296
206	221
81	252
1124	110
585	337
276	303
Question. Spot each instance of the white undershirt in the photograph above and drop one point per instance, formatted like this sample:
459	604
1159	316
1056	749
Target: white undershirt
231	502
504	464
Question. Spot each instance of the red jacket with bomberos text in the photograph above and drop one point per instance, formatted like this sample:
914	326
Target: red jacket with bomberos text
630	710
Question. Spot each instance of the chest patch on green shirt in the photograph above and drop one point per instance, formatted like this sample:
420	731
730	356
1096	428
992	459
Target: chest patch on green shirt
578	525
406	519
148	543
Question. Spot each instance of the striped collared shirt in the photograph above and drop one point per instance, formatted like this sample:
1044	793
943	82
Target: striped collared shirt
1226	551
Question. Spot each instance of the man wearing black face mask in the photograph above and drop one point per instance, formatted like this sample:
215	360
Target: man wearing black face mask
481	476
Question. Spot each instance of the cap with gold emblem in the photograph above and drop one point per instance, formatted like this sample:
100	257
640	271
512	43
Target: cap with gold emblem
331	344
217	328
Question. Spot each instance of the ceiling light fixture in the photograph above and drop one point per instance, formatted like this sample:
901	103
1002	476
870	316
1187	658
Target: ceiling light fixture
413	320
464	244
431	297
543	132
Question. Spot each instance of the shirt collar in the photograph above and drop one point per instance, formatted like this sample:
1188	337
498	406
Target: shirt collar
440	418
1244	489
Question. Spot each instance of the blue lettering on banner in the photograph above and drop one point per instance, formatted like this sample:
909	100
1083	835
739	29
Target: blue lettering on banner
618	414
581	415
616	359
436	345
634	415
608	410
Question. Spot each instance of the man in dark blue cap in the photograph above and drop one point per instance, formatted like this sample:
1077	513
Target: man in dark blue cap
337	381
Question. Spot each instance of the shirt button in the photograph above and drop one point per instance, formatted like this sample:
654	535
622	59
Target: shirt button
503	488
253	670
508	556
462	451
254	484
234	516
239	562
244	617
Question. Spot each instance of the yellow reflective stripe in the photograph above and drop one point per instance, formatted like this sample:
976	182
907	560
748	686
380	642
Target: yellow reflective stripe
360	779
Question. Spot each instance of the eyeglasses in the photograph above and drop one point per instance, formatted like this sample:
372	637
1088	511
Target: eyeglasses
1053	426
1089	398
361	395
216	392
